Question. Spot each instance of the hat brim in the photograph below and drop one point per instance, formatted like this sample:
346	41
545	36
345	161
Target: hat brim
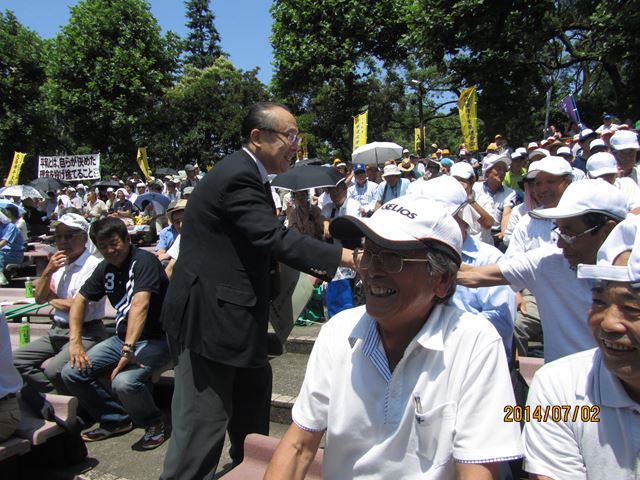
557	212
350	228
604	272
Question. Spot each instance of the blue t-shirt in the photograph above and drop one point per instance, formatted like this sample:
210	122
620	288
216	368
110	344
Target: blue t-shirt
10	233
166	238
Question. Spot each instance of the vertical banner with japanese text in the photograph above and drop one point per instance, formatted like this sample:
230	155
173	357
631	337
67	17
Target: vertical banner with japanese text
360	129
14	174
468	121
417	135
143	162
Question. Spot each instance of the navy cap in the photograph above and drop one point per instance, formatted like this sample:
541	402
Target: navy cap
359	167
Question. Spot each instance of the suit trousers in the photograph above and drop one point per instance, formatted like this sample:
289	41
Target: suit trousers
210	398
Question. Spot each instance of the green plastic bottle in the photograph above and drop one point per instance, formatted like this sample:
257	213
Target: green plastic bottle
28	288
24	334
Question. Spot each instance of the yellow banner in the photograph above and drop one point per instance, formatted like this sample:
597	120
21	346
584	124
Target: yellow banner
143	162
416	141
360	129
14	174
467	111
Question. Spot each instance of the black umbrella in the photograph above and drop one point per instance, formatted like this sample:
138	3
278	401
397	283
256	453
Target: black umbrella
106	184
48	184
307	161
166	171
305	178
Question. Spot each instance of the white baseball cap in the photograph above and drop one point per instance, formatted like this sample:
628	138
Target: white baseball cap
539	151
448	192
405	223
73	220
140	184
601	163
564	151
624	140
391	170
518	156
623	238
405	151
597	143
586	196
552	165
522	151
532	146
462	170
492	160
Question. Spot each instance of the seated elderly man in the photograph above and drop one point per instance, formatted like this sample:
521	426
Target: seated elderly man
405	386
585	408
67	270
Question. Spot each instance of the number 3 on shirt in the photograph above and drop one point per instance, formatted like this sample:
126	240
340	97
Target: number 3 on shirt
109	281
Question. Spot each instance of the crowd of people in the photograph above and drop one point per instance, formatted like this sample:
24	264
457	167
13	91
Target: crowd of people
465	263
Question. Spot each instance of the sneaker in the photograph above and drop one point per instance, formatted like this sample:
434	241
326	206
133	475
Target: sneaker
3	280
105	431
154	436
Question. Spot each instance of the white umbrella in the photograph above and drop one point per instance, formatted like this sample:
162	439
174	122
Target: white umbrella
22	191
375	153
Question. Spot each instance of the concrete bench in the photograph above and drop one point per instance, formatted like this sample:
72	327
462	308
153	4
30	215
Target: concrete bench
14	446
258	450
529	366
38	430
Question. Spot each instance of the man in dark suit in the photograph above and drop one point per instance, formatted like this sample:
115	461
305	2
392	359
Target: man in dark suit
217	307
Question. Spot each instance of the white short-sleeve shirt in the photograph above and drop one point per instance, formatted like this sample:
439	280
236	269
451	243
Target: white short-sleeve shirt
580	450
631	191
174	249
531	233
443	402
563	298
67	281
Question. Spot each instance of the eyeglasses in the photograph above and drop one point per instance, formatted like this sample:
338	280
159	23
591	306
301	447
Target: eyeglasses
293	138
66	237
388	261
572	238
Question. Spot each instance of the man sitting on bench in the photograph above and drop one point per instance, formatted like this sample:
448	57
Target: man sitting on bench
135	283
11	245
66	272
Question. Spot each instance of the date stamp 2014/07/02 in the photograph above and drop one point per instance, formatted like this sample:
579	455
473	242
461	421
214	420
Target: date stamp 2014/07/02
552	413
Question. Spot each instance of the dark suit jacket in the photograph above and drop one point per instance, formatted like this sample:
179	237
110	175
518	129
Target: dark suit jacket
217	304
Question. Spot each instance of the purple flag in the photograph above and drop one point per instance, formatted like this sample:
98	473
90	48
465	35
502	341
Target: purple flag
569	107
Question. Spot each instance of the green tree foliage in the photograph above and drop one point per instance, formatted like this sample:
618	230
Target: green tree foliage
108	69
514	52
201	115
23	116
203	41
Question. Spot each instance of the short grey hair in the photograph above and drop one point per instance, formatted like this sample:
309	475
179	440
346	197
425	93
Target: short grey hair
440	263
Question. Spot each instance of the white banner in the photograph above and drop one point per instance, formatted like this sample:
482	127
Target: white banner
70	167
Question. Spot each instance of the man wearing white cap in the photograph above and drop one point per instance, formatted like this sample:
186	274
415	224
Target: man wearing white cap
551	176
565	152
624	146
595	394
67	270
585	215
140	189
516	171
583	153
603	165
496	304
404	386
392	185
493	196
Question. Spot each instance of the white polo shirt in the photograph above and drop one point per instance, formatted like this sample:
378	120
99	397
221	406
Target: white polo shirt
631	191
563	298
67	281
494	204
443	402
608	449
531	233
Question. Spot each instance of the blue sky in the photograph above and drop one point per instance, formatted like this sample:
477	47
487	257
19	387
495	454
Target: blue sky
244	25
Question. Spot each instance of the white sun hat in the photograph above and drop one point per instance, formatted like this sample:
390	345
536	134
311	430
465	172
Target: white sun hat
623	238
405	223
601	163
